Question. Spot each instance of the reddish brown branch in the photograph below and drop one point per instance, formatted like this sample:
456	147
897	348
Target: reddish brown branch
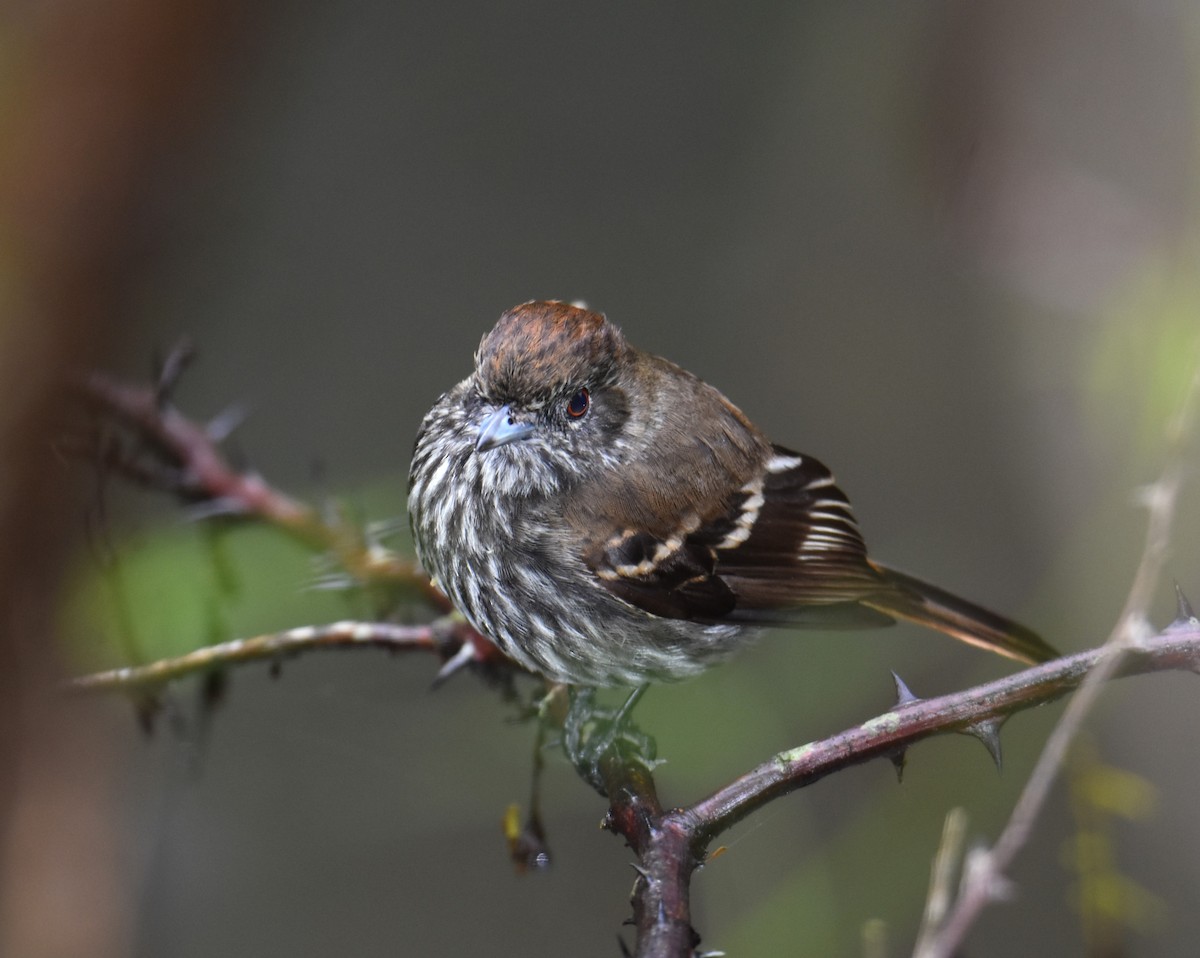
666	849
178	455
890	733
671	844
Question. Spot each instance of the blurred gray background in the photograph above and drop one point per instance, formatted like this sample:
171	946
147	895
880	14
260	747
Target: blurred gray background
942	246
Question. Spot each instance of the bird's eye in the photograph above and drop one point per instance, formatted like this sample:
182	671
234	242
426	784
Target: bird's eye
579	404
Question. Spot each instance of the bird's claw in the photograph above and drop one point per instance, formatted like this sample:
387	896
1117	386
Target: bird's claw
594	734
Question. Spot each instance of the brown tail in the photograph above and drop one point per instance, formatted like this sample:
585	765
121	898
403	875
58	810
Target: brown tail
927	605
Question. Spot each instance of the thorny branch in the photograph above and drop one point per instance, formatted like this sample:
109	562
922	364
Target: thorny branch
449	637
672	844
175	454
167	451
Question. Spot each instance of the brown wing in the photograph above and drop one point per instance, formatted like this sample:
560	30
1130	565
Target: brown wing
784	549
673	577
800	543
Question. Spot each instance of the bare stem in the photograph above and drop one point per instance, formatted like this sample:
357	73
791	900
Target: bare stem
272	647
984	878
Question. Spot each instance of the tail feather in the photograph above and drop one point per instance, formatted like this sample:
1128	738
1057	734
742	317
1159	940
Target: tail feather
917	601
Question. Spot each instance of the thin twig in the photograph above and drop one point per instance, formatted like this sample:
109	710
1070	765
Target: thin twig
984	878
446	636
942	874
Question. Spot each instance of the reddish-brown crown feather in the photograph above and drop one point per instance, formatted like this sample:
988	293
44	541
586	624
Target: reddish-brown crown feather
543	346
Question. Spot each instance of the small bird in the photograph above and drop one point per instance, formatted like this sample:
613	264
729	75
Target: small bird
607	518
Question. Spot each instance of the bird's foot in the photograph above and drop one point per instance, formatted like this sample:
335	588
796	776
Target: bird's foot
594	734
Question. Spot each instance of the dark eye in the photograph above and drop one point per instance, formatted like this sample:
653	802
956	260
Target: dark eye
579	404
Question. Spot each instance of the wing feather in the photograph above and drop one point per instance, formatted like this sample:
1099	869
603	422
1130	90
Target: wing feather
784	549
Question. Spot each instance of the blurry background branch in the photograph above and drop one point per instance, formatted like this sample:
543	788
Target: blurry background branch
154	445
984	876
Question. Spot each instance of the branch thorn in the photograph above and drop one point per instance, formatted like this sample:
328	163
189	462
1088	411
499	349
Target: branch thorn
225	423
213	688
147	706
904	695
1185	617
464	655
988	732
178	358
220	507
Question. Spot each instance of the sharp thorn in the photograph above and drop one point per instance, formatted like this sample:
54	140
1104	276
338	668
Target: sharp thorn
170	368
988	732
899	759
332	583
1184	615
904	695
214	687
226	422
641	871
146	708
220	507
464	655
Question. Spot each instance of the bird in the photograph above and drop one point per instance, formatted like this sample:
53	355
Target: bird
607	518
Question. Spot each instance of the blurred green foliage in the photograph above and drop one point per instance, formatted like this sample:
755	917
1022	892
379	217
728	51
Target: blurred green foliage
184	585
1146	353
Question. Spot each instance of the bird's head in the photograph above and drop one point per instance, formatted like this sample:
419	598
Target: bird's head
551	394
